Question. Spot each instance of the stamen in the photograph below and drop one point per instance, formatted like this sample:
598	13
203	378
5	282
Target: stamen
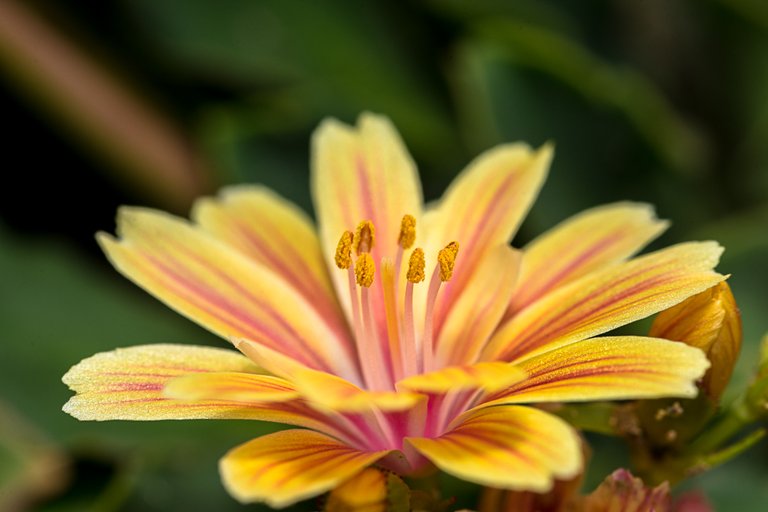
414	275
407	232
343	256
390	309
446	260
416	266
368	345
365	236
404	241
364	270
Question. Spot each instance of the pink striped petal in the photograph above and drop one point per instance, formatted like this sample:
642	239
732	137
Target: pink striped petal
607	299
362	173
128	384
509	447
489	376
586	242
608	368
479	308
285	467
222	289
230	386
482	209
280	237
334	393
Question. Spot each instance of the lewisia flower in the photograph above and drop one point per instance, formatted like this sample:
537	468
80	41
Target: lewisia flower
396	334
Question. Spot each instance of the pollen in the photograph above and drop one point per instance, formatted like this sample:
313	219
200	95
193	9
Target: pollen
365	236
446	258
416	266
407	232
364	270
343	256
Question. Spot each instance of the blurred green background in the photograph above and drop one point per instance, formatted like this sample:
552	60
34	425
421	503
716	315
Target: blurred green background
156	102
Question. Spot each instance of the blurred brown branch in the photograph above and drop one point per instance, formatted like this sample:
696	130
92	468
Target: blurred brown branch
148	152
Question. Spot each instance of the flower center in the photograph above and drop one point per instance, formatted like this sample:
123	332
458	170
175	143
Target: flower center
408	352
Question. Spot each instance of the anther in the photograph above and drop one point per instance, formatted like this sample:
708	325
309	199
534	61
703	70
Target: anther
343	256
407	232
365	236
364	270
416	266
446	258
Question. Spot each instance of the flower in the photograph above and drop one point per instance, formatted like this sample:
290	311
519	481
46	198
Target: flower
396	334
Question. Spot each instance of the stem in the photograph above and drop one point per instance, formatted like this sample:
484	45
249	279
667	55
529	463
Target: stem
738	416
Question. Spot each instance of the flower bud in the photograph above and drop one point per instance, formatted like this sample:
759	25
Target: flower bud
710	321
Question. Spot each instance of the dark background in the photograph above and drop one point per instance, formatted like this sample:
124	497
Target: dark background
157	102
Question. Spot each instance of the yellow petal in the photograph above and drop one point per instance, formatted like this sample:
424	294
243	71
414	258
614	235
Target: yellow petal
272	360
127	384
608	368
606	299
363	173
285	467
510	447
479	308
365	492
222	289
332	392
586	242
279	236
483	208
490	376
709	321
230	386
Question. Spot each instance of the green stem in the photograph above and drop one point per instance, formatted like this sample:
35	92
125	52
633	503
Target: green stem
738	416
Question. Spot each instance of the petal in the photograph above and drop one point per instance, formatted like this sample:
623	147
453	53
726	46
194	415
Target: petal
479	308
222	289
606	299
510	447
483	208
285	467
335	393
230	386
362	174
279	236
365	492
489	376
127	384
609	368
586	242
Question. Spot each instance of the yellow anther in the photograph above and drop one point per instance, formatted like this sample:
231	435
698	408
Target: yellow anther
407	232
343	256
365	236
364	270
446	258
416	266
